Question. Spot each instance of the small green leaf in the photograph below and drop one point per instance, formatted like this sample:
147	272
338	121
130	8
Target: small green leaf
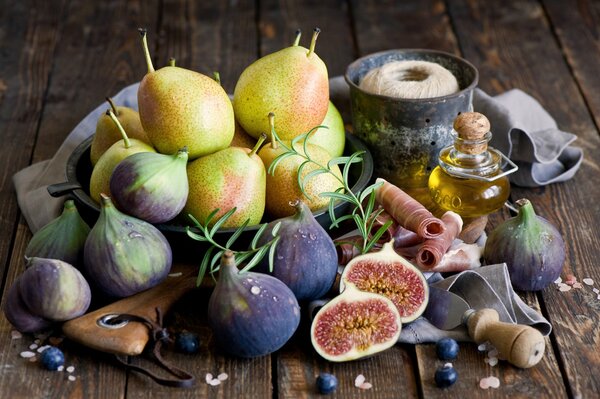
222	220
259	233
339	196
256	258
240	257
194	235
300	179
277	160
211	216
343	160
377	236
340	220
203	266
312	174
276	228
370	204
272	254
215	259
237	233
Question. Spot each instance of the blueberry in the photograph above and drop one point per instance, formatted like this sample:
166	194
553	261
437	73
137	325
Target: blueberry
445	376
326	383
52	358
446	349
187	342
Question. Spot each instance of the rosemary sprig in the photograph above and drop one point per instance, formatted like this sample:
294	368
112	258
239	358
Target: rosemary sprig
363	216
210	261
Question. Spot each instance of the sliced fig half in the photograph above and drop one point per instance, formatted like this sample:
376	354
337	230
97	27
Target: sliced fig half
389	274
355	324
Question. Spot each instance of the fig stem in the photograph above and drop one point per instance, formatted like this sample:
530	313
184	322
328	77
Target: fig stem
112	106
297	39
144	33
261	140
274	143
114	118
313	42
526	214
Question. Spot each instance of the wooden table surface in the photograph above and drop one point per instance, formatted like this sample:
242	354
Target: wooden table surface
60	58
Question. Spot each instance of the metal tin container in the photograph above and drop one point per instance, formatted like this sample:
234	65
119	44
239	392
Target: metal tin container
406	135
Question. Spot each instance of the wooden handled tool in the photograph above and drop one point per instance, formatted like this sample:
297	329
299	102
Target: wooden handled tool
96	331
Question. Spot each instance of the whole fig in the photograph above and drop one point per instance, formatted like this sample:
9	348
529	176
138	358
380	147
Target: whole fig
125	255
54	289
19	315
305	257
531	247
63	238
251	314
151	186
355	324
389	274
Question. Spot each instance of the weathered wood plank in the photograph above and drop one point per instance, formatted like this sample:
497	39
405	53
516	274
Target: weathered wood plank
577	25
512	45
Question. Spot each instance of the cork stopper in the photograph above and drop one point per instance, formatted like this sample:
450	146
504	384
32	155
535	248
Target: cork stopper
473	132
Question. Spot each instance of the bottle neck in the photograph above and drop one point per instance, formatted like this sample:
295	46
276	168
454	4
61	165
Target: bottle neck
470	158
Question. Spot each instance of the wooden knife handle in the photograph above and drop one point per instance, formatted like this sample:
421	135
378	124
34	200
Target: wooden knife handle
521	345
131	338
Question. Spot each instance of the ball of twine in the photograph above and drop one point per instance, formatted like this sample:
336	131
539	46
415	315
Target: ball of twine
410	80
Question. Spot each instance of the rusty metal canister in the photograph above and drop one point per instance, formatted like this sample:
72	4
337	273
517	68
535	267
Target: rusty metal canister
406	135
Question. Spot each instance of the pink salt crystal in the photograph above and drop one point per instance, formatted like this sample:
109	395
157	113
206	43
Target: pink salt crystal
366	385
493	361
564	288
493	382
14	334
577	285
360	379
214	382
208	378
588	281
483	383
222	376
72	378
571	279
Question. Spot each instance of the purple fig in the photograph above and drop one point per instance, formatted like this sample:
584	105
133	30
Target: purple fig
19	315
54	289
125	255
63	238
251	314
151	186
305	257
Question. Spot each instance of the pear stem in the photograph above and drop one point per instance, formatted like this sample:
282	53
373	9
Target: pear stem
297	40
274	144
217	77
112	106
144	32
120	127
313	41
172	61
261	140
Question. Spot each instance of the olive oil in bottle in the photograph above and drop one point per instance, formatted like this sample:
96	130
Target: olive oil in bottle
469	179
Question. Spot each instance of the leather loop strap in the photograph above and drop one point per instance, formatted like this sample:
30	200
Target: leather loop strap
159	335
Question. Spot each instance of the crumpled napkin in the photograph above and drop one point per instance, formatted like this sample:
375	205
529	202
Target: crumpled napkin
484	287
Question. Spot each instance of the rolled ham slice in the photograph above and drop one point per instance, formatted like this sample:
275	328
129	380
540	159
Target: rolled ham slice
431	252
460	257
407	211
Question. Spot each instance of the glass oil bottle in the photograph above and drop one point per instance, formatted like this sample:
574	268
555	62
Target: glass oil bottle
469	179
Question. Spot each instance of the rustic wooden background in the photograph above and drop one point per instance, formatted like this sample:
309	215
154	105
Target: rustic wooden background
60	58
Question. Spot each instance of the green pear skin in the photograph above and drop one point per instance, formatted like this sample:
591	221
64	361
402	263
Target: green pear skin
179	107
233	177
333	138
292	83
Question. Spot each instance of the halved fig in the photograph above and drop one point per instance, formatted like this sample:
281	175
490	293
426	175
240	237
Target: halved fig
355	324
389	274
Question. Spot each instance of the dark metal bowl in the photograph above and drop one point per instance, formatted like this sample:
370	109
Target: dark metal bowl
79	170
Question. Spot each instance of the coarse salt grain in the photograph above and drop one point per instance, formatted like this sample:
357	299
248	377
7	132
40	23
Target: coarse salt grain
33	347
596	291
42	348
482	347
360	379
37	341
483	383
493	361
492	352
577	285
214	382
70	369
60	368
222	376
72	378
209	378
494	382
448	364
588	281
564	288
366	385
14	334
178	274
27	354
558	280
571	279
598	297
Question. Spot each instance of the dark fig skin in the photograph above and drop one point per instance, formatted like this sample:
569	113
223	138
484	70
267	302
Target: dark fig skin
54	289
125	255
20	316
63	238
531	247
251	314
305	259
151	186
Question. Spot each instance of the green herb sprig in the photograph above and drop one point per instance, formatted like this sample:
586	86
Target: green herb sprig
363	216
210	261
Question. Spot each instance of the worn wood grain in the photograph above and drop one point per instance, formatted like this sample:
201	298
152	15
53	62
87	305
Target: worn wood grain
521	52
577	26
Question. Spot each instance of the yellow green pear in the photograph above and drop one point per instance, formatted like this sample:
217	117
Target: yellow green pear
100	178
107	132
234	177
282	184
332	138
292	83
179	107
